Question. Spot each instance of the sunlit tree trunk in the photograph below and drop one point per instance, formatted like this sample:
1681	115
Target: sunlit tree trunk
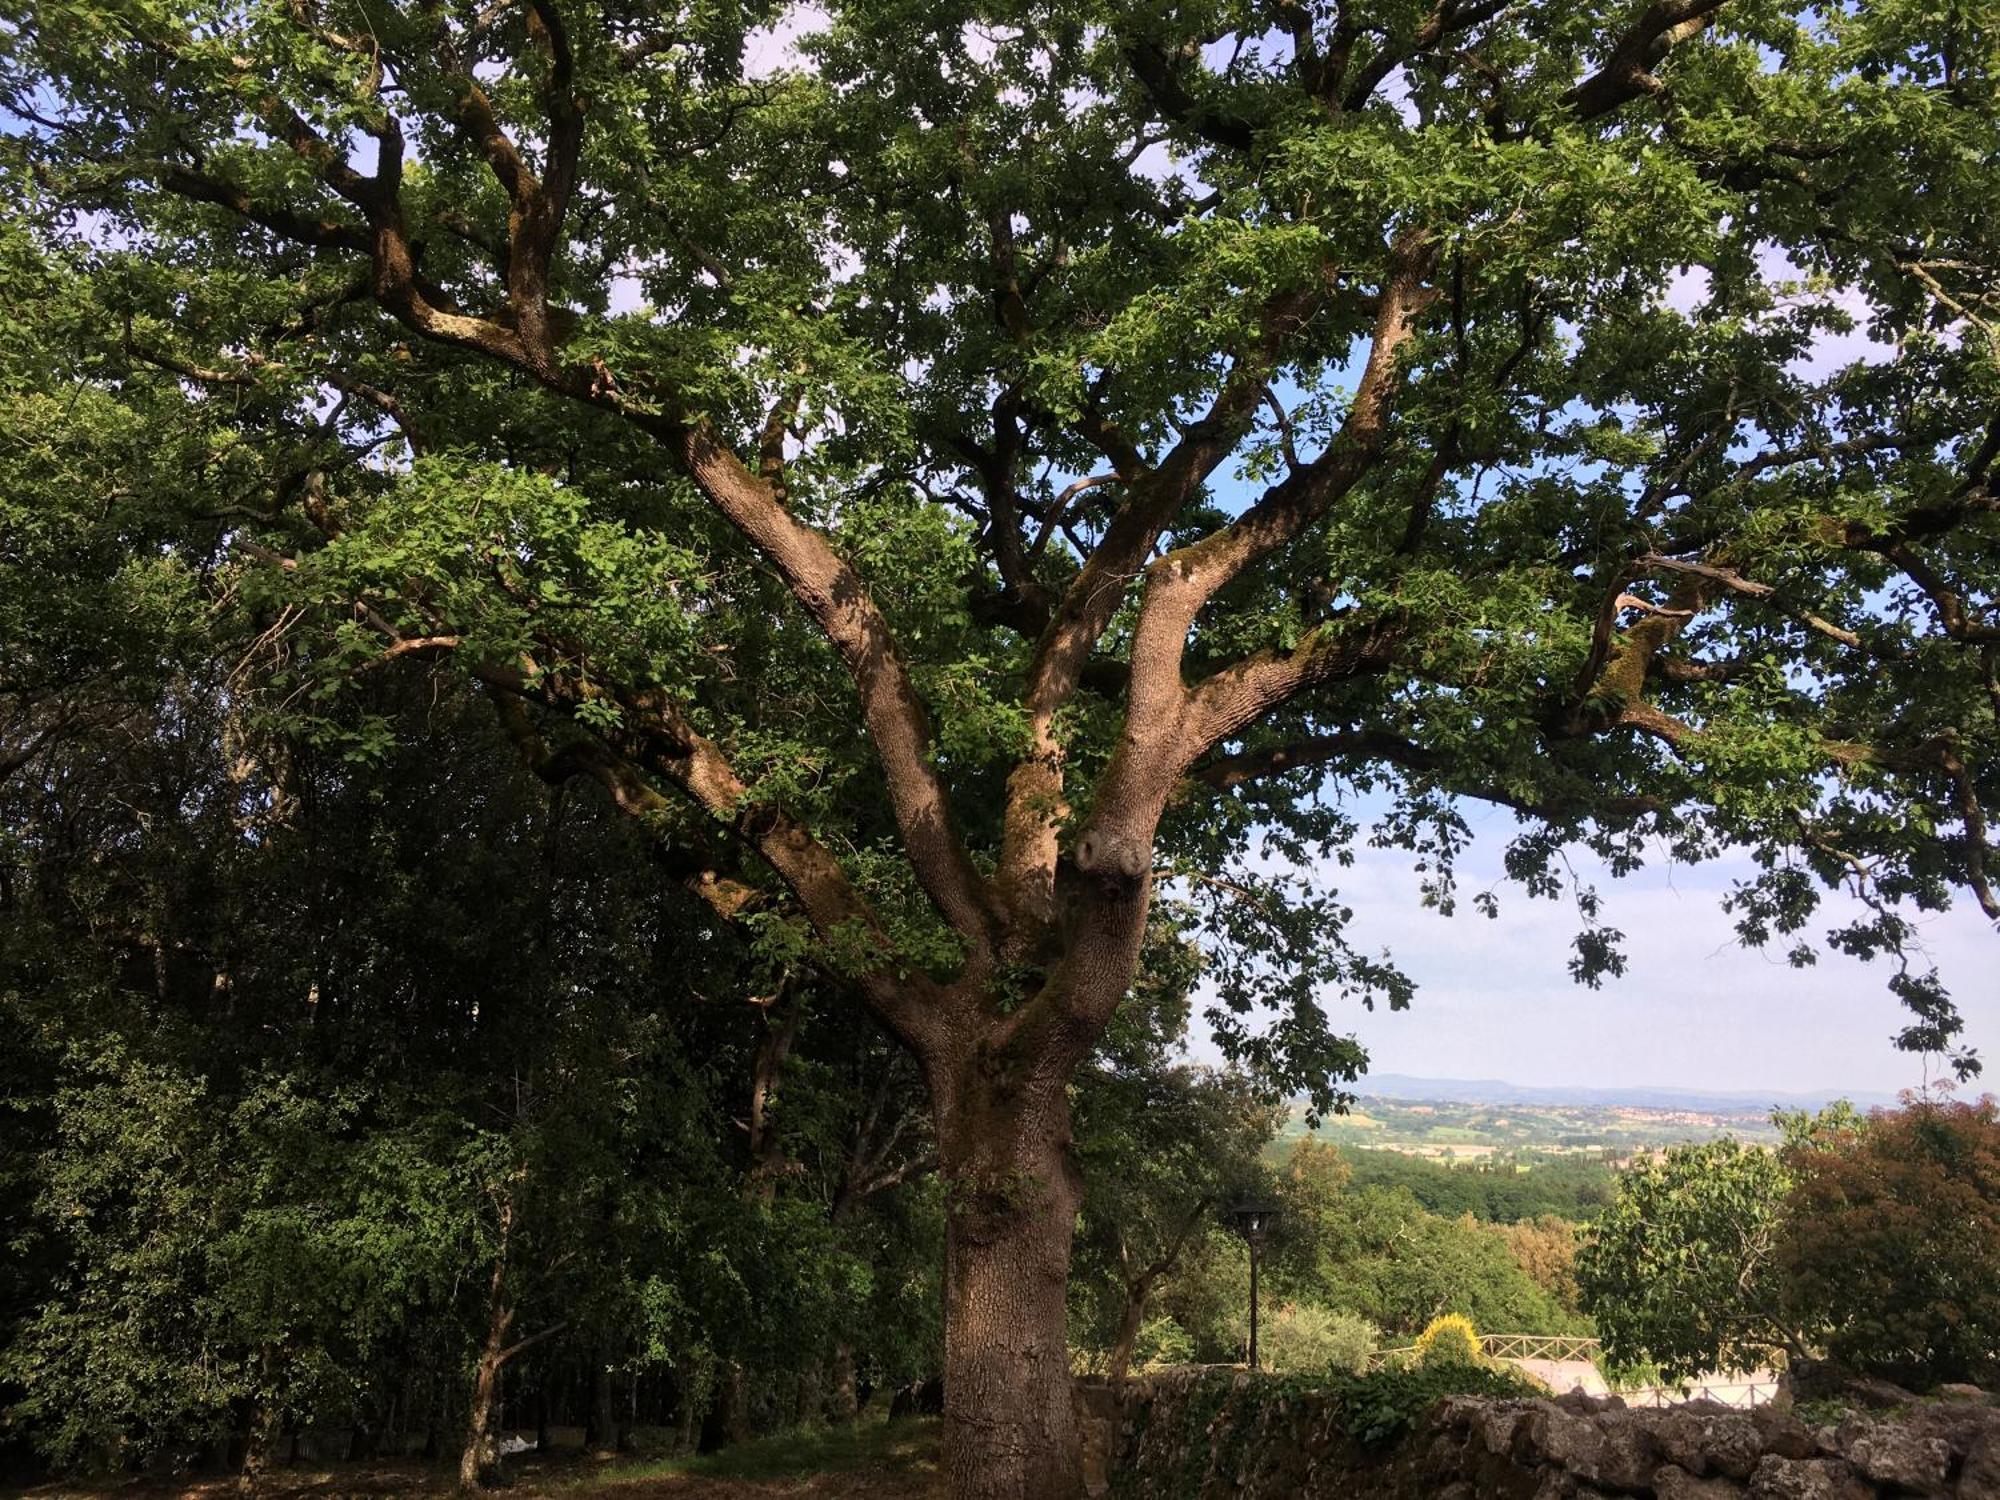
1010	1428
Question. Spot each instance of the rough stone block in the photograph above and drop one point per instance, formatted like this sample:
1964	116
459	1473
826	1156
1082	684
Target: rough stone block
1898	1454
1784	1434
1497	1427
1671	1482
1608	1451
1806	1479
1713	1441
1980	1478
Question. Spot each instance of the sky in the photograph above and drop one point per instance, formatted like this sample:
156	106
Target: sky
1695	1008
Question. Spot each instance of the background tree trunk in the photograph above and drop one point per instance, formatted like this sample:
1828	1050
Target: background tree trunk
1134	1314
479	1461
602	1434
810	1402
842	1402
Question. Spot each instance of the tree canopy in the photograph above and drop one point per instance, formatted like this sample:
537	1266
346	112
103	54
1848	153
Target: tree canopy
1019	456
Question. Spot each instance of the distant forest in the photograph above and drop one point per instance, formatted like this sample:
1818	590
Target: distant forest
1573	1188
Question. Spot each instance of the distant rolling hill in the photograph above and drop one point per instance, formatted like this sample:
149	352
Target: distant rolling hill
1699	1101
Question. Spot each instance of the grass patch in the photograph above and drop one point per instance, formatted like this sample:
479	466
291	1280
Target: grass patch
908	1447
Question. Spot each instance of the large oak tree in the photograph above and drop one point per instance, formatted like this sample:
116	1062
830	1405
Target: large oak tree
1021	455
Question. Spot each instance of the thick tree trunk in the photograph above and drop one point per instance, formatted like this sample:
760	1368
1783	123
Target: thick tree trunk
733	1416
810	1401
266	1419
1010	1425
258	1446
689	1436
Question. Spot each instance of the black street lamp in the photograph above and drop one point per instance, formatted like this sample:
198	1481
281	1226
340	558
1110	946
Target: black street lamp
1253	1222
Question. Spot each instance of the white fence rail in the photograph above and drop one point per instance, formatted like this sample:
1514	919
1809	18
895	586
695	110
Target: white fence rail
1551	1346
1758	1388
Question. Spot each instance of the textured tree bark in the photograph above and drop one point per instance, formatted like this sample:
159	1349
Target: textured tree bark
734	1403
479	1459
258	1446
1010	1425
479	1456
602	1436
810	1400
1129	1320
688	1434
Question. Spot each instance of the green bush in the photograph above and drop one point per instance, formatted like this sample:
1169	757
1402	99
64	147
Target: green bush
1384	1404
1207	1423
1308	1338
1161	1342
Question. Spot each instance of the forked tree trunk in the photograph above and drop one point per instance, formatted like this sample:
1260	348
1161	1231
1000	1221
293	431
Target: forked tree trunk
1129	1322
1013	1194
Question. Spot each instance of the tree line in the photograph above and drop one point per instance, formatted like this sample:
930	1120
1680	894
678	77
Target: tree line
1862	1246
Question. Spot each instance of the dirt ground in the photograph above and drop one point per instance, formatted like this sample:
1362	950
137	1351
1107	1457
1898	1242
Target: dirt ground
883	1463
527	1483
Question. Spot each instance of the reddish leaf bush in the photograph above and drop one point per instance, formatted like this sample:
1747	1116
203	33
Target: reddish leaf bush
1892	1242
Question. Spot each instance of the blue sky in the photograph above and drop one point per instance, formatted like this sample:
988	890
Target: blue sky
1694	1007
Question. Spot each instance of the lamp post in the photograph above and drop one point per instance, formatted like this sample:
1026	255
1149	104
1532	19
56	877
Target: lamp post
1253	1222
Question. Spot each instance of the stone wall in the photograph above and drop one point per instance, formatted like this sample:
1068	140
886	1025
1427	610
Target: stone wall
1203	1435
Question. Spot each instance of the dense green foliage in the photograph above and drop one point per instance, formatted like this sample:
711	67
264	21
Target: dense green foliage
1308	1338
1677	1271
1216	1412
314	1068
1573	1188
1377	1252
1167	1149
1870	1242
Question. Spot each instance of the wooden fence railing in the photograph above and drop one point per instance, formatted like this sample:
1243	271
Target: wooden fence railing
1537	1346
1508	1346
1748	1389
1747	1393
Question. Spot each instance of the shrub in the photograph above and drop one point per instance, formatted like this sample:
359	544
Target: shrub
1161	1342
1209	1424
1307	1338
1678	1271
1449	1340
1381	1406
1891	1242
